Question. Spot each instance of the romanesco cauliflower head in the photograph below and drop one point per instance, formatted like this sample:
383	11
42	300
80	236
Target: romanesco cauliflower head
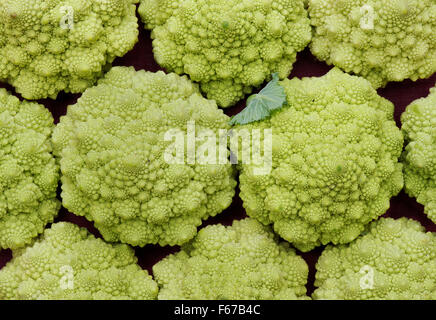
381	40
67	262
29	174
394	259
244	261
113	152
335	151
48	46
419	127
229	47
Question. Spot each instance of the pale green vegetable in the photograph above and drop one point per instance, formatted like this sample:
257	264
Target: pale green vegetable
261	105
49	46
419	127
229	47
68	263
335	150
393	259
244	261
380	40
29	174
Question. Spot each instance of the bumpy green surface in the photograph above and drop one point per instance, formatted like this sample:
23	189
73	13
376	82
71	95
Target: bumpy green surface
112	150
335	151
401	45
419	127
28	171
400	254
229	47
244	261
69	263
40	55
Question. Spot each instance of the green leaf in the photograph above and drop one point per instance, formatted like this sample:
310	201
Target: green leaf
259	106
253	112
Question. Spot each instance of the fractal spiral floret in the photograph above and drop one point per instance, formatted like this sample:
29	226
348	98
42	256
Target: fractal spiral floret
68	263
204	164
244	261
419	126
29	174
381	40
335	150
112	147
49	46
394	259
229	47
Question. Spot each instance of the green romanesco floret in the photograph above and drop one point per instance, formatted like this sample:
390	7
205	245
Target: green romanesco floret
394	259
419	127
48	46
67	262
229	47
29	174
335	150
242	262
381	40
120	164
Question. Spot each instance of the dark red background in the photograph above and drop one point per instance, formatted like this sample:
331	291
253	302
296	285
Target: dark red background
141	57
